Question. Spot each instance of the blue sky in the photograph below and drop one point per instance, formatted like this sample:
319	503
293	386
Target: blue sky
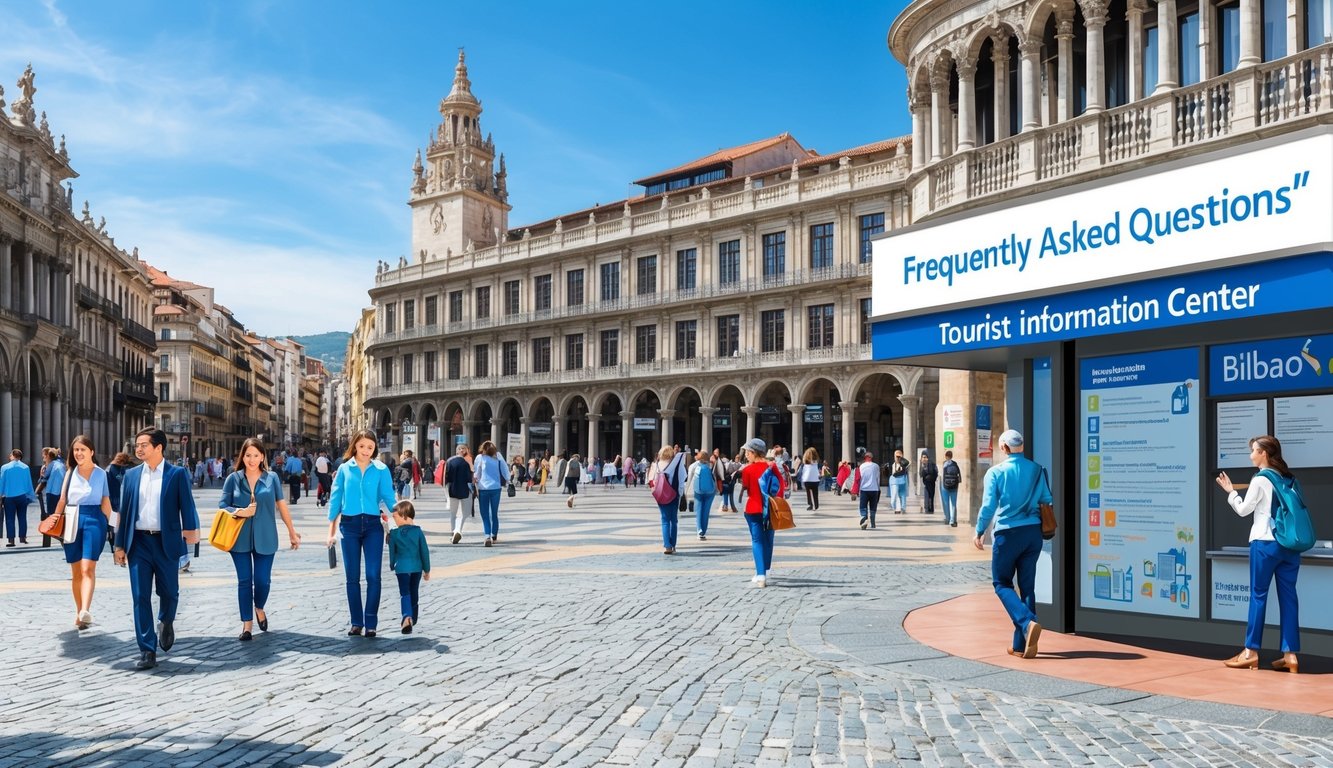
265	147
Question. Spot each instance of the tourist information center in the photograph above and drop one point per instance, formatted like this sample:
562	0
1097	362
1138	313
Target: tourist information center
1148	325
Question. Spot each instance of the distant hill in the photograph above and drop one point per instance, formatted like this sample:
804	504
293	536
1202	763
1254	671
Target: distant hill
329	347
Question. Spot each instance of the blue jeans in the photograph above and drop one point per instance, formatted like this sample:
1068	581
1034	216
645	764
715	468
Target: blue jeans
703	504
409	590
16	513
254	577
1015	552
1269	559
489	504
669	524
949	500
150	566
869	503
898	493
362	536
761	543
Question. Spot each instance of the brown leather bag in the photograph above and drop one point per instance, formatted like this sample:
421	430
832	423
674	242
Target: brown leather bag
53	525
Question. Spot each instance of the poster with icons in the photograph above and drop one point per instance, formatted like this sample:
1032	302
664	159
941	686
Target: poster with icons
1139	482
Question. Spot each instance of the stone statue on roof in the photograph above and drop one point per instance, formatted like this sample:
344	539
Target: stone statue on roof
23	104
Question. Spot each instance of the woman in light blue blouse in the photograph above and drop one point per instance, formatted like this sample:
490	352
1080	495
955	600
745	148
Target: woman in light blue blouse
491	475
360	487
254	493
89	504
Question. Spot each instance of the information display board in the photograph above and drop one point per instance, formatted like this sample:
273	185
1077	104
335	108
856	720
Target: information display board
1237	423
1139	486
1304	426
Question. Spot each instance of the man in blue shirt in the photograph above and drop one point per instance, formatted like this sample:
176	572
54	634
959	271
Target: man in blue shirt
16	488
295	470
1012	490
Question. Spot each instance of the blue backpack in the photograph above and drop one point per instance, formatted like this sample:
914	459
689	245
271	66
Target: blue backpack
1291	519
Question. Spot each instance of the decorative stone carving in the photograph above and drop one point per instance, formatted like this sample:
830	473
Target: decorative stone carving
437	218
2	100
418	176
23	109
45	129
559	226
1094	12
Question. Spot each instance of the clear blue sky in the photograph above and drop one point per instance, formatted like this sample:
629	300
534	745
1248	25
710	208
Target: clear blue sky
265	147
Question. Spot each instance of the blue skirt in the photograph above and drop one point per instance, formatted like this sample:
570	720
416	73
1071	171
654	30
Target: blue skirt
90	542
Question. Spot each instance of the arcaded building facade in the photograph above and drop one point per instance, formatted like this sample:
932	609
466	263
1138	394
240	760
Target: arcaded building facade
730	299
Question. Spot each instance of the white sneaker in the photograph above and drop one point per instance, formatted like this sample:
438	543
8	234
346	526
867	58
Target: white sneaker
760	581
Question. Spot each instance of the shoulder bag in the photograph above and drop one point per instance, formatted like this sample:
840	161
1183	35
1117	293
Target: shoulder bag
780	517
227	526
1047	511
53	525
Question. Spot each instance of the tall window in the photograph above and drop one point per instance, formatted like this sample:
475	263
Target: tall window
687	267
484	302
865	321
1274	14
511	297
871	224
573	352
1188	41
610	348
775	255
509	359
386	372
728	335
390	317
433	309
455	306
1318	29
1150	43
541	355
409	314
773	325
686	333
481	361
164	392
407	369
454	363
541	293
819	321
432	361
647	275
645	343
574	288
821	246
729	262
611	281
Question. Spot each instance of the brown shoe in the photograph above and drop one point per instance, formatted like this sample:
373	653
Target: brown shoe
1288	663
1243	660
1030	648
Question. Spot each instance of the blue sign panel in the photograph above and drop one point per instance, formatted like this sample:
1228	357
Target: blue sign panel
1250	290
1139	368
1267	367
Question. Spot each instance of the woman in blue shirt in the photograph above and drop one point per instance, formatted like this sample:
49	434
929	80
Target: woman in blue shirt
86	524
360	487
491	475
254	493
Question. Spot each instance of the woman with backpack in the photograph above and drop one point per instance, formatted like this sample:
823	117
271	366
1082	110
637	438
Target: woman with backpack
760	479
667	479
1268	558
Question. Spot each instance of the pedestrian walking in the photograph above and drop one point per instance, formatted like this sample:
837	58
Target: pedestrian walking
84	499
669	469
254	493
158	521
573	475
897	470
760	480
458	486
1268	558
50	479
402	476
706	483
927	473
627	472
866	490
294	470
843	480
609	471
490	474
18	492
409	559
324	474
361	489
809	475
951	476
1012	490
115	476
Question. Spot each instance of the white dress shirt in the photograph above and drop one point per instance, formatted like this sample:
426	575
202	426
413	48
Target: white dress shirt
150	498
79	489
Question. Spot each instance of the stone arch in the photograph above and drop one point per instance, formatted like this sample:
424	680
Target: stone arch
687	423
510	413
426	448
573	411
729	419
541	425
644	405
774	419
451	426
479	426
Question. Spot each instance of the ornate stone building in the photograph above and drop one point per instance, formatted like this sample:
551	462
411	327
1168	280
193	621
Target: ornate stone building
75	348
730	299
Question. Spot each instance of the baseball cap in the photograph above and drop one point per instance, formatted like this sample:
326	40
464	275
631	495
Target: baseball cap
1012	438
755	444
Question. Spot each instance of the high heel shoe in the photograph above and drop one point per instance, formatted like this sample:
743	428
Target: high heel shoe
1240	661
1283	665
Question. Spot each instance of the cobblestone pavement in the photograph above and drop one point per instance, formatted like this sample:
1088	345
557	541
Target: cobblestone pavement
575	641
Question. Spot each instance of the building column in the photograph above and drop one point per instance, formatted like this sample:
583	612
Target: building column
6	422
1064	86
1094	18
751	421
593	420
522	433
37	413
558	424
469	434
1000	87
1031	97
495	432
939	105
60	431
666	414
29	288
797	429
1168	50
920	132
848	428
1134	16
626	432
910	404
6	282
706	432
967	129
1251	29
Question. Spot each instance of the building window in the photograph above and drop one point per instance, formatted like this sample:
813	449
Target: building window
775	255
541	293
821	246
611	281
407	369
819	321
865	321
1274	15
573	351
386	373
610	348
481	361
871	224
164	363
1187	38
455	364
164	392
728	335
687	332
433	308
729	262
645	343
1317	19
511	297
409	314
484	301
509	359
574	288
433	361
1149	59
541	355
390	318
647	272
773	323
455	306
687	267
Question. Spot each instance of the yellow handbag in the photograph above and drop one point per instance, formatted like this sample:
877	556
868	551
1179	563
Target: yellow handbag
226	529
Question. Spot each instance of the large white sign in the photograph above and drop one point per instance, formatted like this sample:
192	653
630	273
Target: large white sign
1268	201
1304	425
1231	594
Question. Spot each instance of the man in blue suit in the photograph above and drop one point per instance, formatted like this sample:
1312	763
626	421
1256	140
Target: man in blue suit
157	522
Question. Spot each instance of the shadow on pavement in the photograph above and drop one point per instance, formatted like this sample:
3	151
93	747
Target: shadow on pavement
1113	655
62	749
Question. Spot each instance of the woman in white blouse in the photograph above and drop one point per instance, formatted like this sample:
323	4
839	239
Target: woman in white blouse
84	491
1267	559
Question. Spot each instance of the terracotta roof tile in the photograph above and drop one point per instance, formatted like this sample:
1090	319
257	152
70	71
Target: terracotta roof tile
721	156
864	149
